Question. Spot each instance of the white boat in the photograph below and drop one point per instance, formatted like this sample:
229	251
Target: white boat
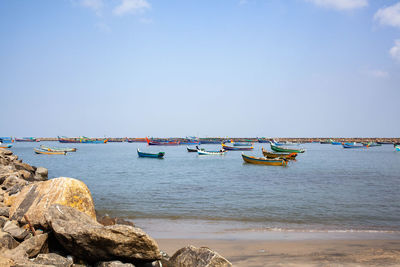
203	152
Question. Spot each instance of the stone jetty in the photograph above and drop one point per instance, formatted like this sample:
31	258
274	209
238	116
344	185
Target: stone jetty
53	223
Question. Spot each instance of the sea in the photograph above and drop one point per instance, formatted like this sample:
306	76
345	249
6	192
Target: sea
328	189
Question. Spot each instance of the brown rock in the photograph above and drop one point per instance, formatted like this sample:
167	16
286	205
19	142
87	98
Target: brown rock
53	260
85	238
29	248
191	256
25	174
41	174
24	166
7	241
14	230
35	199
114	264
5	262
4	211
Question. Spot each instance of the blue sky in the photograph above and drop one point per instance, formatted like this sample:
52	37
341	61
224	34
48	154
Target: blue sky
273	68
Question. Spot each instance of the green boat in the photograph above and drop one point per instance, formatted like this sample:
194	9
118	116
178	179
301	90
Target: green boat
58	149
286	149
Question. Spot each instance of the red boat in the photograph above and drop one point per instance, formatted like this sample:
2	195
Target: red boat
161	143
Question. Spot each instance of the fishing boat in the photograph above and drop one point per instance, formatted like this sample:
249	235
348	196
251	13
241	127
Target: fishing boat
371	144
264	161
273	155
87	140
336	143
6	140
141	154
204	152
240	143
238	148
161	143
194	149
353	145
286	149
26	139
57	149
5	146
397	148
40	151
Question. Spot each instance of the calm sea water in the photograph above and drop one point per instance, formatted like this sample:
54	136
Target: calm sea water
327	188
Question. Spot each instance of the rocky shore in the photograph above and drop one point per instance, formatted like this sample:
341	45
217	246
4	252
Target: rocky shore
53	223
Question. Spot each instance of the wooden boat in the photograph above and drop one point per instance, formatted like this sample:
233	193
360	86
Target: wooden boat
371	144
241	143
353	145
39	151
161	143
225	147
64	139
26	139
263	141
5	146
194	149
272	155
159	155
286	149
264	161
57	149
6	140
336	143
204	152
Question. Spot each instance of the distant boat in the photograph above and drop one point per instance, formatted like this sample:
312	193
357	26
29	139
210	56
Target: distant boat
264	161
204	152
286	149
263	140
193	149
272	155
371	144
57	149
161	143
240	143
26	139
209	142
150	155
82	139
6	140
40	151
336	143
64	139
353	145
239	148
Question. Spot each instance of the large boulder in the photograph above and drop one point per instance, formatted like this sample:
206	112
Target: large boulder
41	174
87	239
191	256
14	230
7	241
35	199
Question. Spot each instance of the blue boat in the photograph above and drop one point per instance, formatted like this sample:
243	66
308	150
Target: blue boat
5	146
353	145
336	143
6	140
158	155
397	147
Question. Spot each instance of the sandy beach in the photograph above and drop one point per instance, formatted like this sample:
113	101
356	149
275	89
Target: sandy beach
258	253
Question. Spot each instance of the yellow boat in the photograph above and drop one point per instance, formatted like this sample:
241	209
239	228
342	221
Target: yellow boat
40	151
264	161
273	155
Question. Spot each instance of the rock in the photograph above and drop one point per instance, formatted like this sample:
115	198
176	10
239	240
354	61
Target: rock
24	166
35	199
4	211
6	262
53	260
191	256
25	174
41	174
15	231
7	241
29	248
3	220
87	239
107	220
13	180
5	152
113	264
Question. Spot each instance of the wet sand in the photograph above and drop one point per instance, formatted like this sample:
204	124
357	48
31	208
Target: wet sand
329	252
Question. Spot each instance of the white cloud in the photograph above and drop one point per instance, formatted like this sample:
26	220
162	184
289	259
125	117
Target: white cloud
389	15
131	6
340	4
395	50
95	5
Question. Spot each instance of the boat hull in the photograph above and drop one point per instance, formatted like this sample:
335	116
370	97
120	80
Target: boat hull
158	155
203	152
272	155
57	149
39	151
287	150
5	146
238	148
264	161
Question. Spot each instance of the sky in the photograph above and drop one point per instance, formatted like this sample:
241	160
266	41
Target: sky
238	68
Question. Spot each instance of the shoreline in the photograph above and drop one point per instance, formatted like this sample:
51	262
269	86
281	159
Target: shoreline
227	230
258	253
